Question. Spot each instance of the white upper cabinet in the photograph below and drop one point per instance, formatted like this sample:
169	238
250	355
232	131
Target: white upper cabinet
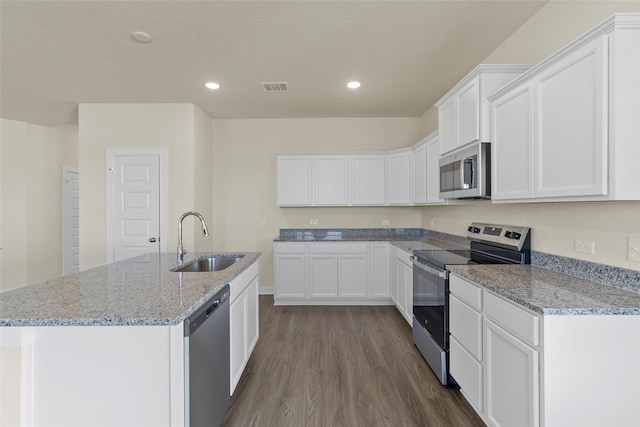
463	113
568	129
331	180
419	172
367	179
398	169
294	180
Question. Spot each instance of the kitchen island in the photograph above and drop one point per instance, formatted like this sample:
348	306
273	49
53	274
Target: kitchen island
105	346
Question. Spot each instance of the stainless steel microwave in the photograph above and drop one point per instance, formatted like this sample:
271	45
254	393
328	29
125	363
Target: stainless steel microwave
465	174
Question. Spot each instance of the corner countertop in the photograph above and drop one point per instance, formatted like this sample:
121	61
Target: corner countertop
138	291
551	293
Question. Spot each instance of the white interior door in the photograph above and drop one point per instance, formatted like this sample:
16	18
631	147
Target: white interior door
134	189
70	221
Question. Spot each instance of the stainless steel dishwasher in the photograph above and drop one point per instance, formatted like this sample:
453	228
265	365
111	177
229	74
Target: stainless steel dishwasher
207	362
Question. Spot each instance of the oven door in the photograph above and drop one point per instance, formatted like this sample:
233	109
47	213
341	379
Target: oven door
430	287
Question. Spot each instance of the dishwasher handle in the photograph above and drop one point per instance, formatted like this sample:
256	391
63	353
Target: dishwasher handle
197	318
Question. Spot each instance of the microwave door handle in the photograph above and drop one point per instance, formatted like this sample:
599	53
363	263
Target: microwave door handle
416	263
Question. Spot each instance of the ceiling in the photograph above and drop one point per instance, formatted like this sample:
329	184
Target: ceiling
407	54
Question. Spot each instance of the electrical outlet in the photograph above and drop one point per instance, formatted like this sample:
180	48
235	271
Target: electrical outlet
585	246
313	222
263	222
386	222
633	249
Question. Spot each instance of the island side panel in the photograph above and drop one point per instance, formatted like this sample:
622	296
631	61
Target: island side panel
101	376
591	371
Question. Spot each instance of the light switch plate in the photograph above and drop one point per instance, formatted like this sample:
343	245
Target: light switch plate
585	246
633	249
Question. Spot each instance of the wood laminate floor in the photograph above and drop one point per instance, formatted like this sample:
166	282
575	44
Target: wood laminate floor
321	366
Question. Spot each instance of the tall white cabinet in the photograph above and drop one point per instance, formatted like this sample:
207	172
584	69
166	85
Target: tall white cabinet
567	130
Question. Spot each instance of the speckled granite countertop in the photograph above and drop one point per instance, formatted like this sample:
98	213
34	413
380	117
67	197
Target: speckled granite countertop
408	239
551	293
137	291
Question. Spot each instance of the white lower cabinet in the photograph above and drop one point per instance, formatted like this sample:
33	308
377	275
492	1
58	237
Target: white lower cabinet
404	284
519	368
331	273
243	319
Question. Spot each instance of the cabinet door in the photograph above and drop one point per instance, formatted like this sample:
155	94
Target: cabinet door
238	338
352	270
323	276
468	113
404	297
447	126
433	172
379	271
289	276
398	178
294	180
367	179
331	178
511	379
419	174
467	372
512	145
571	108
252	318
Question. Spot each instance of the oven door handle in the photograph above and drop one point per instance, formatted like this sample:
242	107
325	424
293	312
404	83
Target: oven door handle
431	270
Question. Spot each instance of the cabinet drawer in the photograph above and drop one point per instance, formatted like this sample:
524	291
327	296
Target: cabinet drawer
465	324
337	248
288	248
466	291
515	319
404	256
468	374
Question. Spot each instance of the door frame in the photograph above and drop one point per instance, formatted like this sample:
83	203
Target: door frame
162	154
66	213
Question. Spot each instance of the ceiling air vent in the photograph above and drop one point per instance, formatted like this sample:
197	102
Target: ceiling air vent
275	87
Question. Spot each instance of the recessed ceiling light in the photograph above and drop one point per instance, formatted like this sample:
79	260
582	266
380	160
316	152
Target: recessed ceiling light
141	37
353	85
212	85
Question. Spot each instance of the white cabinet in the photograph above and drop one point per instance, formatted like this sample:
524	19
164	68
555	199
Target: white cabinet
398	177
380	270
331	180
419	173
511	379
463	113
367	179
564	130
243	319
290	270
404	284
331	273
494	355
295	180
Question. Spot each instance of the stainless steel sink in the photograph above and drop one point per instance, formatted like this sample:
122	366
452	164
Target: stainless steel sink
208	263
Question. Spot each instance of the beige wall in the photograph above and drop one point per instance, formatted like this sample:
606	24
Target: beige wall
178	127
555	225
31	220
245	178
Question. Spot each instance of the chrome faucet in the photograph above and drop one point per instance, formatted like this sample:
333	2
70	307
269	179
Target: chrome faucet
181	250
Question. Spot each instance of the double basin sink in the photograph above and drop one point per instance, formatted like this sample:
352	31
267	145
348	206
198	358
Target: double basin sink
208	263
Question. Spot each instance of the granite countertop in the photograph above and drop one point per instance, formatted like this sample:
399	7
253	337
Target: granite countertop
551	293
408	239
136	291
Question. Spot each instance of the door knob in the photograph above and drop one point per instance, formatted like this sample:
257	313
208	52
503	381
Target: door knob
152	240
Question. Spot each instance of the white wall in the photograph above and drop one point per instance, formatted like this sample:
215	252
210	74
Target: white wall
245	177
31	219
178	127
555	225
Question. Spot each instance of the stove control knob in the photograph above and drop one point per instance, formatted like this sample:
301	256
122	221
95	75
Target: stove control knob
474	230
508	235
515	235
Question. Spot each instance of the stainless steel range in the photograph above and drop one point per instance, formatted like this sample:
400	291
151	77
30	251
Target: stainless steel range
489	244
